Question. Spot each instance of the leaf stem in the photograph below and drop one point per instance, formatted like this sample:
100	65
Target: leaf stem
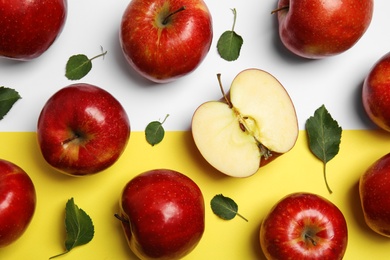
100	55
326	181
235	18
165	119
241	216
59	255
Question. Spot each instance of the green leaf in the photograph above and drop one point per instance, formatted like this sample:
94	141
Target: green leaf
79	66
78	225
324	134
8	97
154	132
225	207
229	43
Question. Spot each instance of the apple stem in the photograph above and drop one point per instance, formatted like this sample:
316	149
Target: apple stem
223	91
280	9
74	137
311	239
166	19
121	218
326	181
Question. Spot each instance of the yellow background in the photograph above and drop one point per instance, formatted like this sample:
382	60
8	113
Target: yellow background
99	195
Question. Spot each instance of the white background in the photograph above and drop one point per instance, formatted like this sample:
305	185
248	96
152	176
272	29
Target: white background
335	82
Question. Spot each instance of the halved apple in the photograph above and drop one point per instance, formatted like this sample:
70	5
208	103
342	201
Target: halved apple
251	126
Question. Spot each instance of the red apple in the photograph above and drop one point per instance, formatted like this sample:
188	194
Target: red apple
304	226
28	28
250	127
17	202
374	190
317	28
82	129
376	93
162	213
165	39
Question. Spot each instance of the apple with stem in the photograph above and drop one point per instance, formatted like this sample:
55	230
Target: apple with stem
374	192
17	202
249	127
28	28
162	214
82	129
165	39
376	93
317	29
304	226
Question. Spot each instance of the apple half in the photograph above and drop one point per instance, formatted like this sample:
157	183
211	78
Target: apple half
249	127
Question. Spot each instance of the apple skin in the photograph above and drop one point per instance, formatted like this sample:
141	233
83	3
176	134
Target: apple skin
304	226
82	129
317	29
165	52
376	93
374	191
17	200
29	27
163	214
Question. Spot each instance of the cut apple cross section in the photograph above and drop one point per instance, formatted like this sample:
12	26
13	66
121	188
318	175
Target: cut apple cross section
251	126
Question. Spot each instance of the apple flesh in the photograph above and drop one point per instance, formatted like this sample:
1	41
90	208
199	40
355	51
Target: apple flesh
317	29
376	93
374	191
82	129
28	28
304	226
255	124
163	40
162	214
17	202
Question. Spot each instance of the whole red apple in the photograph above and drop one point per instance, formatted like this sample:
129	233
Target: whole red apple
304	226
162	213
82	129
376	93
316	28
17	202
165	39
29	27
374	191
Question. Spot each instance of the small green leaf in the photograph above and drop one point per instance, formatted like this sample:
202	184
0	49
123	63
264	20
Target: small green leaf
324	134
154	132
225	207
78	225
8	97
79	65
229	43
